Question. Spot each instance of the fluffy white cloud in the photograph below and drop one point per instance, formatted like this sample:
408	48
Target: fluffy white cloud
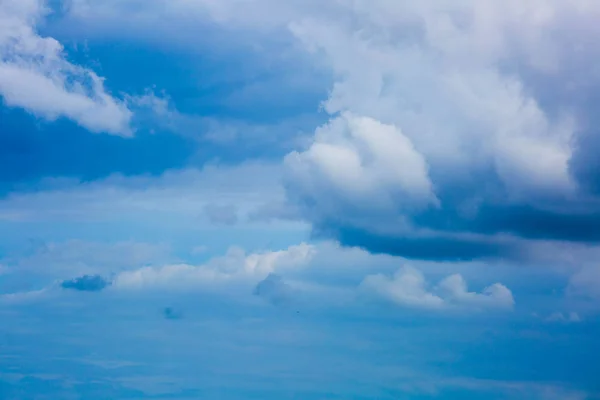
36	76
359	163
408	287
236	265
471	100
479	89
460	80
455	291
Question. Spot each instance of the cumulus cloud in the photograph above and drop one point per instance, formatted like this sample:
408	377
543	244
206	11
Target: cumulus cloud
359	163
35	75
86	283
409	288
498	158
235	266
453	124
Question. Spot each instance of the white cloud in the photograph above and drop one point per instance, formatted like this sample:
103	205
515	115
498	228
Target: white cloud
358	163
443	88
235	266
571	317
35	75
409	288
456	78
472	99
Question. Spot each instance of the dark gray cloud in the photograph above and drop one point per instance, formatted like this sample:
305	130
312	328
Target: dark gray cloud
434	248
86	283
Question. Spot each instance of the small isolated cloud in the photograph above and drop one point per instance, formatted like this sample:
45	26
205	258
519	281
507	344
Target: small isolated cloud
409	288
273	289
172	313
221	214
86	283
560	317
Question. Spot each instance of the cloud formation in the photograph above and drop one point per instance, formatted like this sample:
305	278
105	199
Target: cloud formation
409	288
442	79
566	318
273	289
235	266
35	75
585	282
86	283
484	130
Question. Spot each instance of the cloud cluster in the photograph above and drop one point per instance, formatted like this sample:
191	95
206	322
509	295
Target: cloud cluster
454	125
235	266
409	288
481	137
35	75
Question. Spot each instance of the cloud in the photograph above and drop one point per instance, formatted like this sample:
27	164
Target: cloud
36	76
585	283
172	313
273	289
474	148
86	283
571	317
182	192
236	266
221	214
484	130
359	163
409	288
88	259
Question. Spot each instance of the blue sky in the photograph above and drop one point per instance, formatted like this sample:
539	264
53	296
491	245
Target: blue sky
260	199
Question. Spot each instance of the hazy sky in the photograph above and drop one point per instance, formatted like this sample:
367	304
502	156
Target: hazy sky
299	199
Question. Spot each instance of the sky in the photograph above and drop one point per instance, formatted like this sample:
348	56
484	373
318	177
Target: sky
299	199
